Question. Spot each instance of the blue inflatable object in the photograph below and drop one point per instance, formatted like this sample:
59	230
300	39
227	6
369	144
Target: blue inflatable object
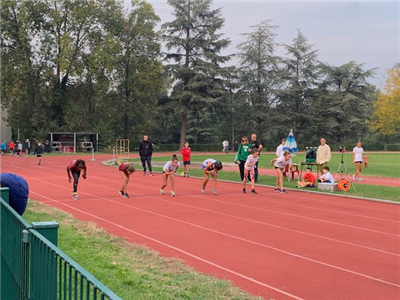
19	191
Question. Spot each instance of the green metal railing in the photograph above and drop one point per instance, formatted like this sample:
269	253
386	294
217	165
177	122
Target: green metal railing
33	267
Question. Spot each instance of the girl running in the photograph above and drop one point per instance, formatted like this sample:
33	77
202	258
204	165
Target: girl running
75	167
249	166
126	169
186	159
169	170
280	164
39	152
358	160
211	167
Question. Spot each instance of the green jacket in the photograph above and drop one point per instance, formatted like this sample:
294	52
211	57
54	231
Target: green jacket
243	152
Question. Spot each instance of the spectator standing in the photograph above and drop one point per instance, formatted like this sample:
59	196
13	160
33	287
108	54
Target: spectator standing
19	148
242	154
145	153
28	146
323	155
225	145
256	144
279	151
235	146
358	160
186	151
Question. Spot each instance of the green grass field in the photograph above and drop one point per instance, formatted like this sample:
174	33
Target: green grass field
131	271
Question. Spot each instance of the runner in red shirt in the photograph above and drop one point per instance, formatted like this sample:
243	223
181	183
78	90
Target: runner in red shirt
75	167
125	169
186	159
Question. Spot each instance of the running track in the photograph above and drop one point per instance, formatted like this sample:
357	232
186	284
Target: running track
293	246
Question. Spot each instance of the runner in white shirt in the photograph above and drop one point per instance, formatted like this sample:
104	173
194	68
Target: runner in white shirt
249	172
169	170
280	164
358	160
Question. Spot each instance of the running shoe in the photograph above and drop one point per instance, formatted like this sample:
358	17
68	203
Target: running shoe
215	192
75	196
278	190
283	191
244	191
354	176
144	173
173	194
126	195
203	191
121	193
151	174
254	191
360	179
187	175
161	191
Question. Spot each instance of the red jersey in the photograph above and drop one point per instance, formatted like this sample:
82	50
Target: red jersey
309	177
186	153
12	145
72	166
122	167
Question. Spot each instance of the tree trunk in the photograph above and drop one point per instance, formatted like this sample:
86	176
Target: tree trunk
384	142
183	130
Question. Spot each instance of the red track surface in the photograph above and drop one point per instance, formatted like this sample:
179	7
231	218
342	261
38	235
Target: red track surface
293	246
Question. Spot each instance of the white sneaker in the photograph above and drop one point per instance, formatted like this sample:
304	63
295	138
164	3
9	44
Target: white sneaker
354	176
360	179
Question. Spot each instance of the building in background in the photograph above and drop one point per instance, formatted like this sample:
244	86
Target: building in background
5	129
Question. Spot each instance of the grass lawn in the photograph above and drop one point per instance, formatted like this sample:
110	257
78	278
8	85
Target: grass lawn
131	271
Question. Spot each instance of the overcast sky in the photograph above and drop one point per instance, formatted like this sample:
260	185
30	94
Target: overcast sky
367	32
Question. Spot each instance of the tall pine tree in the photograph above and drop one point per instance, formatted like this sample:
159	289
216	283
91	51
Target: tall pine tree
194	46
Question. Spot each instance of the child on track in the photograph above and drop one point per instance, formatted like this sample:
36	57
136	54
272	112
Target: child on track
308	180
211	167
169	170
39	152
326	177
249	172
11	147
358	161
280	164
186	159
3	148
75	167
126	169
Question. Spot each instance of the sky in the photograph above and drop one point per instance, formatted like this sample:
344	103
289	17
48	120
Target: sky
367	32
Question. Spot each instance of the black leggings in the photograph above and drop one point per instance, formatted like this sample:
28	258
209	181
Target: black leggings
241	169
75	175
144	160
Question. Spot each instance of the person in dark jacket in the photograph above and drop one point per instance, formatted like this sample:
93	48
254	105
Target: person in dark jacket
145	153
39	152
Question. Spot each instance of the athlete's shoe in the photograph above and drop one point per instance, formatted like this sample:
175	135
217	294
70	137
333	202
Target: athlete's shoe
121	193
187	175
278	190
215	192
254	191
244	191
126	195
161	191
144	173
203	191
283	191
75	196
151	174
173	194
354	176
360	179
